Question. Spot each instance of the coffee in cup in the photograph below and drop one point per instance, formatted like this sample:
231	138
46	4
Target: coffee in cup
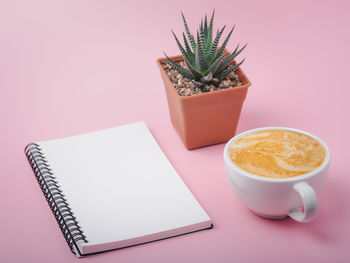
277	153
277	172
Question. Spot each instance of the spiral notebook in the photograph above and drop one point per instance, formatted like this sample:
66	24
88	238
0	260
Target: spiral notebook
114	188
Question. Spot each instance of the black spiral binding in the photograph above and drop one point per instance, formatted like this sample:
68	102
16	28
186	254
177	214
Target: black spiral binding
55	198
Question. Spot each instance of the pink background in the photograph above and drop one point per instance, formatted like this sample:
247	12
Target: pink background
69	67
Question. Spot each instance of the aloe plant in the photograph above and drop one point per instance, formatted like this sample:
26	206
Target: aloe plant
205	62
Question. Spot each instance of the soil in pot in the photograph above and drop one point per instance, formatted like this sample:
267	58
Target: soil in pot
186	87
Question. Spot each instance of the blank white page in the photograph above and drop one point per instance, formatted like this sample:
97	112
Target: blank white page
122	188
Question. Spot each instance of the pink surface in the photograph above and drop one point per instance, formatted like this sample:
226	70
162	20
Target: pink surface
68	67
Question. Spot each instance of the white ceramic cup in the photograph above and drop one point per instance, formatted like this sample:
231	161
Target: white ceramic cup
277	197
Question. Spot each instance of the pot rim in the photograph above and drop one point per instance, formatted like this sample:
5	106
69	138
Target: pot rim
246	84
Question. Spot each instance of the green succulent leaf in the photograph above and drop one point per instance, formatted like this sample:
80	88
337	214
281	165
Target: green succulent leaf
236	53
214	45
189	35
229	59
206	31
200	59
205	62
188	49
194	71
176	66
223	46
231	69
225	55
207	78
183	51
203	42
202	37
221	67
210	31
213	67
201	28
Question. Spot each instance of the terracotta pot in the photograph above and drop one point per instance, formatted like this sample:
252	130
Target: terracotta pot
206	118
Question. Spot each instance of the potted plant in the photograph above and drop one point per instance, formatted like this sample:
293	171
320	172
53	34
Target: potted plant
205	87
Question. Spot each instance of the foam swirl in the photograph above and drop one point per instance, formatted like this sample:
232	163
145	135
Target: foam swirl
277	153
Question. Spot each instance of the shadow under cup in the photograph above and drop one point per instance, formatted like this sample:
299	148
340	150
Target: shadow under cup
277	198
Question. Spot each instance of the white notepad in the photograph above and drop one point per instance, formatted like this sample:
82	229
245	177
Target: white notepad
119	186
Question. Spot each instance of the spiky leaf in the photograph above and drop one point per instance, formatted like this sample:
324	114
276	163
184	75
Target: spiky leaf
200	59
202	40
189	35
183	51
231	69
214	45
188	49
201	28
223	46
215	65
236	53
194	71
176	66
207	78
228	60
204	60
205	32
187	46
202	37
210	31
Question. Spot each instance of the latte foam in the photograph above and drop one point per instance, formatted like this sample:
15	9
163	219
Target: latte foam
277	153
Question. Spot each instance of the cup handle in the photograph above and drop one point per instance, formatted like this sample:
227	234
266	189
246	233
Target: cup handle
310	203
